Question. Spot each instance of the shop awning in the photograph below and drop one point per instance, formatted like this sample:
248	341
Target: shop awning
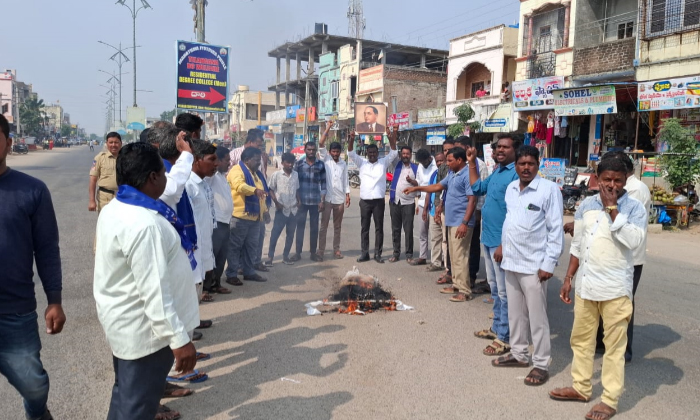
499	121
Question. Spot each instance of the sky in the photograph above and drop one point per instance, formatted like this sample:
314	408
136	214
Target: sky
52	44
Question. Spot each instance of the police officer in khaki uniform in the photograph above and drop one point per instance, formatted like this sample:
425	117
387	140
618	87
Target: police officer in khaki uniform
103	176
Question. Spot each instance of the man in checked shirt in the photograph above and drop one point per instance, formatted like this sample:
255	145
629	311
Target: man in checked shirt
312	191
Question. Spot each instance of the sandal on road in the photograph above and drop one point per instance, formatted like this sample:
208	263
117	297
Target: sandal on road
486	334
567	394
203	356
206	297
193	377
176	391
497	348
449	290
509	361
461	297
393	259
445	279
166	413
222	290
601	411
536	377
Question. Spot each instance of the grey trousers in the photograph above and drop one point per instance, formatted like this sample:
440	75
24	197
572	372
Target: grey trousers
423	229
220	240
527	315
435	242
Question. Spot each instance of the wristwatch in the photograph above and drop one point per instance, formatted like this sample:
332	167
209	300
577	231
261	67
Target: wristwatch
609	209
465	223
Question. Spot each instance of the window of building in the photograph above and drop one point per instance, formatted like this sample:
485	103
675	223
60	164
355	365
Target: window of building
334	89
669	16
625	30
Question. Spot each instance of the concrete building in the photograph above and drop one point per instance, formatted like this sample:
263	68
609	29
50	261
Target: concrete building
248	110
406	77
54	117
669	39
8	98
483	61
547	41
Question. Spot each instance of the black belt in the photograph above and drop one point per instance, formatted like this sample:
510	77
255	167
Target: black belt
105	190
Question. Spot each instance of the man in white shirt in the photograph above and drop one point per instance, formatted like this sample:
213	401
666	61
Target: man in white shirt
337	192
372	191
608	228
402	206
532	239
202	201
223	209
143	286
284	191
426	169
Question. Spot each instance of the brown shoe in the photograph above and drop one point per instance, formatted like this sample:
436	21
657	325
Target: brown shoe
449	290
234	281
461	297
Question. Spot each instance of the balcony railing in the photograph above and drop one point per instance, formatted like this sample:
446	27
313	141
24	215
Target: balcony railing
541	65
612	28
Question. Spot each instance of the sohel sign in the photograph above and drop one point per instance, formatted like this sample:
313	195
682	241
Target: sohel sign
202	77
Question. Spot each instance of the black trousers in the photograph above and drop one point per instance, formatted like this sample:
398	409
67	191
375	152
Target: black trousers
372	209
630	326
402	217
475	250
313	227
139	385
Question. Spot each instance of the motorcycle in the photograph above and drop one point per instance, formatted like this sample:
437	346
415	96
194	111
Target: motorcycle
20	149
354	178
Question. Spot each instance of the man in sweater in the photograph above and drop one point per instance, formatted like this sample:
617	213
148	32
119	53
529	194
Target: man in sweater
29	235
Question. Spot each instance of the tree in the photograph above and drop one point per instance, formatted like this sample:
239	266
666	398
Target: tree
94	136
168	115
682	166
464	113
66	130
32	117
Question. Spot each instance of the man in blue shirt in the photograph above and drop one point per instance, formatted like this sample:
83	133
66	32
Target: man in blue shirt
29	235
459	205
493	216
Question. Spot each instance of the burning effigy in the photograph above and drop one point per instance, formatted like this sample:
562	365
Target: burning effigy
357	294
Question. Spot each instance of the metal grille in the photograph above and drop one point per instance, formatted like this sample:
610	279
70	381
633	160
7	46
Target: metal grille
547	31
666	17
541	65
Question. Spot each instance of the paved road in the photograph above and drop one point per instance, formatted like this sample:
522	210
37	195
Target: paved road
423	364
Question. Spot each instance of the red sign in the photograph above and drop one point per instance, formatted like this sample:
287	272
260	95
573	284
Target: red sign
402	119
212	96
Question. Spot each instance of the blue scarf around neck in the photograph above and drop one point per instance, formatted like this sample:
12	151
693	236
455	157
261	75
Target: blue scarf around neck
252	202
130	195
397	175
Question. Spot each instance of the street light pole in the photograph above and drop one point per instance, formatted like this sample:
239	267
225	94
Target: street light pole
134	13
122	59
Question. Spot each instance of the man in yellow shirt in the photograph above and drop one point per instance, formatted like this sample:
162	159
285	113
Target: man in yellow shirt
250	208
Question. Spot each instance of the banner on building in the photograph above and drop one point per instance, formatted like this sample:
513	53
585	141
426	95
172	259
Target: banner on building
590	100
534	94
301	114
431	116
669	94
553	170
202	77
371	80
136	118
435	136
402	119
292	111
499	121
276	116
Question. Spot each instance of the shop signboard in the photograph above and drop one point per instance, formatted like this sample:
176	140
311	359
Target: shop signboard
292	111
402	119
431	116
588	100
202	77
136	118
488	158
276	116
435	136
301	114
371	80
298	140
553	169
535	94
669	94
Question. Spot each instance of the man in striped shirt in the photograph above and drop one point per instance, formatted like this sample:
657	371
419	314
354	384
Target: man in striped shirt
532	239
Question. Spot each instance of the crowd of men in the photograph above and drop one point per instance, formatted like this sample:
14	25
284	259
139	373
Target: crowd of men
179	210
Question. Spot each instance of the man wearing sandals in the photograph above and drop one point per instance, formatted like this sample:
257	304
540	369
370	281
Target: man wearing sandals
533	239
608	228
494	214
459	205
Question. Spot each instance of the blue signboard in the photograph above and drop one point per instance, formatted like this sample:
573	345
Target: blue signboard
202	77
292	111
298	140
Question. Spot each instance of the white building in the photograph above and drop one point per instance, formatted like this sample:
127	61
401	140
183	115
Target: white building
483	61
